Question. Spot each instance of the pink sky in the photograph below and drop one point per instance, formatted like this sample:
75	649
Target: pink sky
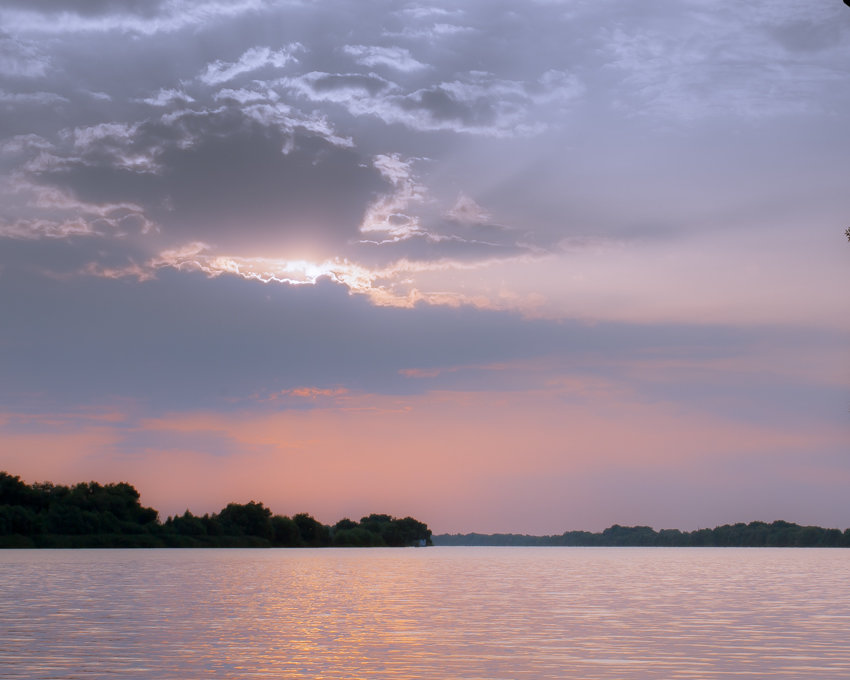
572	452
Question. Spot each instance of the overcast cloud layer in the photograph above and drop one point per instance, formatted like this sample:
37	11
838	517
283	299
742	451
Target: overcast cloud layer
499	232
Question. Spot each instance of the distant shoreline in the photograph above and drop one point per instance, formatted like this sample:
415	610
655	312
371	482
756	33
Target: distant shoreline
778	534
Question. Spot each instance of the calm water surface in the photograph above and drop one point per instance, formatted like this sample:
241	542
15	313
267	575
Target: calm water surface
435	613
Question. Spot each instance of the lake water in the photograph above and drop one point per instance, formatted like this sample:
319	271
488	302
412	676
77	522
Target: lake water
435	613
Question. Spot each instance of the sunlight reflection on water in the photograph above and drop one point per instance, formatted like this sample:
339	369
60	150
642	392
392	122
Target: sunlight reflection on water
435	613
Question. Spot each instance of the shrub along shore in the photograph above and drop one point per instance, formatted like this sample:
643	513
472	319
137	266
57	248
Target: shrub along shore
92	515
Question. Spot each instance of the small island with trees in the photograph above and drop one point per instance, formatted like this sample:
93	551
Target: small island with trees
93	515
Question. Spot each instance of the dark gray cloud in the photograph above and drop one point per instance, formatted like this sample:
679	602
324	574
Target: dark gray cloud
135	17
21	59
809	36
224	178
222	343
341	87
146	8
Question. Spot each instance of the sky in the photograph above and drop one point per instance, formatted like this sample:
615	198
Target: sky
501	266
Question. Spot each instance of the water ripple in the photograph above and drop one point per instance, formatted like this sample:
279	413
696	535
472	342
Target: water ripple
437	613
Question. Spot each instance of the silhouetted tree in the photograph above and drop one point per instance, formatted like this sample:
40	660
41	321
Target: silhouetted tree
186	525
18	519
13	491
285	531
344	524
313	533
357	537
249	519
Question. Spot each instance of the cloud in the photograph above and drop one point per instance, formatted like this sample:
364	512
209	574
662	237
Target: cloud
247	96
227	175
417	13
118	220
390	285
398	58
31	98
742	62
252	59
89	7
433	33
403	228
21	58
341	88
387	216
268	179
105	16
467	211
34	211
476	103
183	337
807	35
164	97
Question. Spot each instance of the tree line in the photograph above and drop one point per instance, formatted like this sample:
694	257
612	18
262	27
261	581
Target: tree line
779	534
93	515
